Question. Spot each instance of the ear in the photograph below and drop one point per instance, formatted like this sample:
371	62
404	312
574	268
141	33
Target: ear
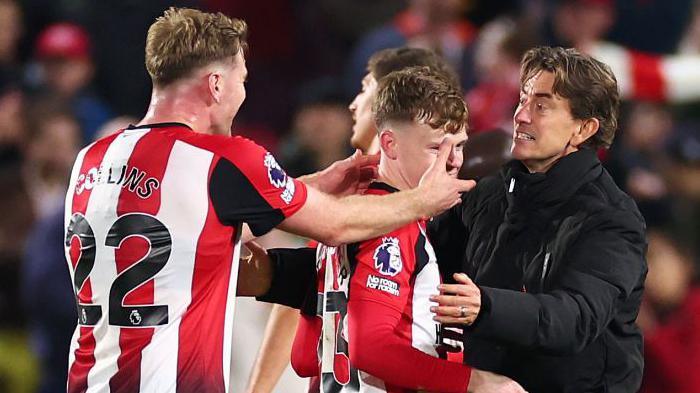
215	86
588	128
387	142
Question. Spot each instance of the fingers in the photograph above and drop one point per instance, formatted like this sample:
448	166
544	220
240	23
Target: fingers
444	153
366	160
258	251
467	289
462	278
465	185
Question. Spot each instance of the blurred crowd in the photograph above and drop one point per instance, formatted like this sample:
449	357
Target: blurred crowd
72	70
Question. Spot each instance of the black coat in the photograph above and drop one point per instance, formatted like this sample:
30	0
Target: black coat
560	261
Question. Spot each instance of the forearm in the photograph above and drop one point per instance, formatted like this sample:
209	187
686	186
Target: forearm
275	350
358	218
376	349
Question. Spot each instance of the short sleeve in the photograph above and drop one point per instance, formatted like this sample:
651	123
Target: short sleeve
248	185
384	268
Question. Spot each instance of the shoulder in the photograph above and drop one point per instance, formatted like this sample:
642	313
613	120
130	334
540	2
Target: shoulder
232	148
606	205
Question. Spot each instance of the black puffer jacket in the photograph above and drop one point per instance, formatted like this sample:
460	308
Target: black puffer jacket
560	260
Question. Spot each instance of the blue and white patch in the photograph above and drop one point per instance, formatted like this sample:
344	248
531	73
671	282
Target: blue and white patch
387	257
279	178
274	172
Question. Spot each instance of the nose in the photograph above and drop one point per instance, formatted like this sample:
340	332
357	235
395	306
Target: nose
522	114
353	105
455	159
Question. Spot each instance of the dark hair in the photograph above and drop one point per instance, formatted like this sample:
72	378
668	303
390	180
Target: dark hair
184	39
419	94
386	61
588	84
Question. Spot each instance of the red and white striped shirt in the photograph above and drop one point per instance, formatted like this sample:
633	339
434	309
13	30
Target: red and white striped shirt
153	217
373	331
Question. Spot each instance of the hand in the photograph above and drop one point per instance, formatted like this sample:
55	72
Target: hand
487	382
457	303
438	189
347	177
254	271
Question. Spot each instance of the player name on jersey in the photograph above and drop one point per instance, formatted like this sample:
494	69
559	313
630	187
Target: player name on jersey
130	178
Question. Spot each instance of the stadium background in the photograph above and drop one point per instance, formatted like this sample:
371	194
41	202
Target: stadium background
71	70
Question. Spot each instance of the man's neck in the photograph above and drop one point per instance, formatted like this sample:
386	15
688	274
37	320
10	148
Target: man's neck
176	105
390	175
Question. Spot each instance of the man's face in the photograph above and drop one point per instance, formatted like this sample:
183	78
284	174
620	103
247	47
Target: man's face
363	130
543	124
417	147
232	92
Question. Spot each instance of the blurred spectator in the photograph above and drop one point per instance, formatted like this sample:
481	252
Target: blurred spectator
690	43
639	160
118	28
498	50
320	131
670	319
16	371
654	26
581	23
47	296
10	33
66	69
54	140
485	154
17	209
433	24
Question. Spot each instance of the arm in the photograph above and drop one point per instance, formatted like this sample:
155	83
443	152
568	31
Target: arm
399	364
275	350
336	221
603	267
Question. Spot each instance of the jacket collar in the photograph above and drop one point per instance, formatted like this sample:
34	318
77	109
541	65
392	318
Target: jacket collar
558	184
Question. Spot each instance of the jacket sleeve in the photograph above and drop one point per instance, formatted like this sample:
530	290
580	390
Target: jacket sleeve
599	272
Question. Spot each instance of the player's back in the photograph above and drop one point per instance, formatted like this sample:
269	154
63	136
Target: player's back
153	263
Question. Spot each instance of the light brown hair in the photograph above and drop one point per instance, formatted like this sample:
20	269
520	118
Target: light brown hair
386	61
184	39
588	84
419	94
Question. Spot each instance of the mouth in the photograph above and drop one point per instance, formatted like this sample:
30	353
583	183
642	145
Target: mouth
524	136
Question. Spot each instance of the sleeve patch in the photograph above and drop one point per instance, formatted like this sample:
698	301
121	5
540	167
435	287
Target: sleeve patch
279	179
387	257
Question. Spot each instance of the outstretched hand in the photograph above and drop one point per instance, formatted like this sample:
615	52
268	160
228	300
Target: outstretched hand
439	189
346	177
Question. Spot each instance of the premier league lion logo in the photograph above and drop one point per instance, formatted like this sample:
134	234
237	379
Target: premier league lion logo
274	172
387	257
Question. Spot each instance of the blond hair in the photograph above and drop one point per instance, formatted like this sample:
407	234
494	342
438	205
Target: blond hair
419	94
184	39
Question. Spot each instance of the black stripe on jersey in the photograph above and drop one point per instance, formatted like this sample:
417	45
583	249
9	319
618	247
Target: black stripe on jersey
422	257
235	200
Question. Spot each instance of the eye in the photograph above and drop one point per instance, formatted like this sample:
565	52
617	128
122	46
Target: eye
540	107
